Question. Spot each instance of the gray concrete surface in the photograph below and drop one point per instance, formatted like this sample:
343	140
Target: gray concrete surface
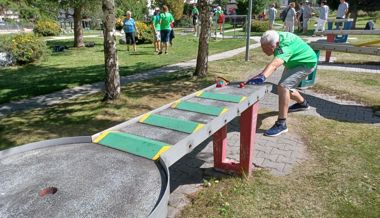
92	181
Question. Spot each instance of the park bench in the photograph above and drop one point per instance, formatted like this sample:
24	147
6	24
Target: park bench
361	48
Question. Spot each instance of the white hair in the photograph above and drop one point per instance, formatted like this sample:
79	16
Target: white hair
128	13
270	37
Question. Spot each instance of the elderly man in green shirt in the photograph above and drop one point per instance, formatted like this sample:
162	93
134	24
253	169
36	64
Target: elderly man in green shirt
299	60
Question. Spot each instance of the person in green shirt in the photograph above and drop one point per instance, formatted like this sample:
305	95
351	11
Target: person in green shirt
166	18
219	15
156	29
299	60
195	15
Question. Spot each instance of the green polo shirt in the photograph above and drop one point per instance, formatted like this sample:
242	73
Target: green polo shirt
166	19
294	51
156	22
194	11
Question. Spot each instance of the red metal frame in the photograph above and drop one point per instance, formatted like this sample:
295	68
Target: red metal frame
248	120
330	39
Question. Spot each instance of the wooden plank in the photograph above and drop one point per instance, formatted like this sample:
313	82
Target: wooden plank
133	144
199	108
352	32
339	20
185	126
221	97
345	48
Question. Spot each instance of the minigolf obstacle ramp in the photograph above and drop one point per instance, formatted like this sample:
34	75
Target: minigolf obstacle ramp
119	172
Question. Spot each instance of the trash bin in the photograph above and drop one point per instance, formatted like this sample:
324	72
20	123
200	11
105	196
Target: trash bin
310	80
347	25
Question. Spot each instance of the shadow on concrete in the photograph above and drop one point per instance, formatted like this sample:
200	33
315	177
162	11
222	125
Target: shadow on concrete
339	112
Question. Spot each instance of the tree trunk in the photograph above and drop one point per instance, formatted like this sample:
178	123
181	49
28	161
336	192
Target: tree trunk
202	58
78	29
112	83
354	15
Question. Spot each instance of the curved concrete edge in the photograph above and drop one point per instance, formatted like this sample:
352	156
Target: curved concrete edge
161	207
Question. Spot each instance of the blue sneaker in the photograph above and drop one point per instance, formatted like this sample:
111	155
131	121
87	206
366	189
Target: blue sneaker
299	107
277	129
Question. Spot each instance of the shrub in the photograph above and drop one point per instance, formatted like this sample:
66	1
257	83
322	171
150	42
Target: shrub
46	28
259	26
24	48
185	21
119	23
145	33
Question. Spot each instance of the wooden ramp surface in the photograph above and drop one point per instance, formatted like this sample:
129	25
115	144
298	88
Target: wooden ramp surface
175	129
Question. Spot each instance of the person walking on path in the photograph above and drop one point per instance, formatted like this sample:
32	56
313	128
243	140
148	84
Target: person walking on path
299	17
166	18
299	60
156	29
194	16
307	12
323	15
290	18
341	13
271	15
130	30
219	15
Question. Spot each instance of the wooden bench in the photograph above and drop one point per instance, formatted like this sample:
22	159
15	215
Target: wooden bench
349	48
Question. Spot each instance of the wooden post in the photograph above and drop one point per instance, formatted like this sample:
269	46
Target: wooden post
330	39
248	122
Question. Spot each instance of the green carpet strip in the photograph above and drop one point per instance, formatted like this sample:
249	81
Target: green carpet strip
185	126
221	97
199	108
133	144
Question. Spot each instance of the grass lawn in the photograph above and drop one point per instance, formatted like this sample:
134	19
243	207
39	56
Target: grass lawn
86	65
340	179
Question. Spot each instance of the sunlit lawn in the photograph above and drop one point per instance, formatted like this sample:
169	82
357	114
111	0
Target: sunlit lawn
75	67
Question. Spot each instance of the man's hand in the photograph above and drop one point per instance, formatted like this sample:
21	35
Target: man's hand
257	80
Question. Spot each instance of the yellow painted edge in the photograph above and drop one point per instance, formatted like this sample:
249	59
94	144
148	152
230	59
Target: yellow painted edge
144	117
101	136
223	111
368	43
199	126
162	150
174	105
199	93
243	98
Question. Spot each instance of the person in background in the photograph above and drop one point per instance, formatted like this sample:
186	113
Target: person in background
271	15
341	13
194	16
171	34
323	15
166	18
290	18
300	17
307	12
219	15
299	61
156	29
130	30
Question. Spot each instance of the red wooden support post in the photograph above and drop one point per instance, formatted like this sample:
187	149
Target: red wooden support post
248	121
330	39
220	145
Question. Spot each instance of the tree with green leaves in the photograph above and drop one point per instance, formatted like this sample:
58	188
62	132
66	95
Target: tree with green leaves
175	7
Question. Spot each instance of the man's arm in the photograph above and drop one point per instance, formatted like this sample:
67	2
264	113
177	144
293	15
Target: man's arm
272	66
